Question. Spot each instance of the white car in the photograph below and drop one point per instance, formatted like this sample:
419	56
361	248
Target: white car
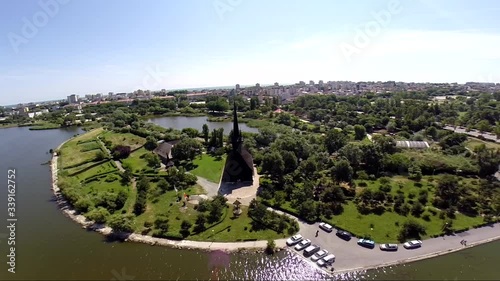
326	227
294	240
303	244
413	244
326	260
319	255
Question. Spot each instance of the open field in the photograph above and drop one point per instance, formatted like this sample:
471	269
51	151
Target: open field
136	160
239	228
127	139
76	151
106	167
208	167
473	142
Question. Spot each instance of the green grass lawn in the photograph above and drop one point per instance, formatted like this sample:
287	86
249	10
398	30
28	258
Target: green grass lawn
97	170
473	142
71	152
101	185
233	229
208	167
386	227
127	139
136	160
166	205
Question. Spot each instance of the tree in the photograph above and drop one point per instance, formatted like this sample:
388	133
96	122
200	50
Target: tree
151	143
352	153
411	229
372	158
488	160
335	140
359	132
200	223
121	223
271	247
220	104
414	172
153	160
191	132
185	228
164	185
205	133
100	155
186	149
417	209
448	190
273	164
452	139
98	215
142	192
121	152
289	160
162	224
342	171
386	144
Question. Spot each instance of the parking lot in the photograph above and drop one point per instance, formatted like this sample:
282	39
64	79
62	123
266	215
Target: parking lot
350	256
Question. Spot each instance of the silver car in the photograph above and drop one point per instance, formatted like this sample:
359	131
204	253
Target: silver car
320	254
303	244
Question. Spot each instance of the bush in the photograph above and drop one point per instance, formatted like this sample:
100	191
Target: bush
83	205
362	184
426	217
385	188
98	215
411	229
121	223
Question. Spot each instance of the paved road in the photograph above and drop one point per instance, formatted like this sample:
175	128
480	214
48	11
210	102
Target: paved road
210	187
473	133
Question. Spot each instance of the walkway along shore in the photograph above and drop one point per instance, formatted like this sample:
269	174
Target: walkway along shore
350	256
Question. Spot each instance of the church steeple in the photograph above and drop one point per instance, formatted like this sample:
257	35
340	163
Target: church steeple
236	138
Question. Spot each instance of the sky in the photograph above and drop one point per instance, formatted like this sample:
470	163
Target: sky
50	49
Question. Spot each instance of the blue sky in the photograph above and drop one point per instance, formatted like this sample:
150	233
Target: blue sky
97	46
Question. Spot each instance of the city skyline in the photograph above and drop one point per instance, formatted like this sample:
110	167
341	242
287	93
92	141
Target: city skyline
101	47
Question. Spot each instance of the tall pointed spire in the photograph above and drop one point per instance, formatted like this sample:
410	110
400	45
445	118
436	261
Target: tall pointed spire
236	138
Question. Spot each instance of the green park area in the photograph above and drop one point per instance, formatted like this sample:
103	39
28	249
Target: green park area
208	167
149	199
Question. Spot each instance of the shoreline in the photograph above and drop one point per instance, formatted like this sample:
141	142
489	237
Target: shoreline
254	246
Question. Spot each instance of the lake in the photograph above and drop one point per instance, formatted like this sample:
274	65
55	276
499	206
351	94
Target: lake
181	122
51	246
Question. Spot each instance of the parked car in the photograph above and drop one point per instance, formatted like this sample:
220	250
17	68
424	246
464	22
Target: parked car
311	250
319	254
366	243
389	247
344	235
329	259
294	240
303	244
413	244
326	227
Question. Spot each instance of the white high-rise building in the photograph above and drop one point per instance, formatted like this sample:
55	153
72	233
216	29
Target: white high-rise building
73	99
